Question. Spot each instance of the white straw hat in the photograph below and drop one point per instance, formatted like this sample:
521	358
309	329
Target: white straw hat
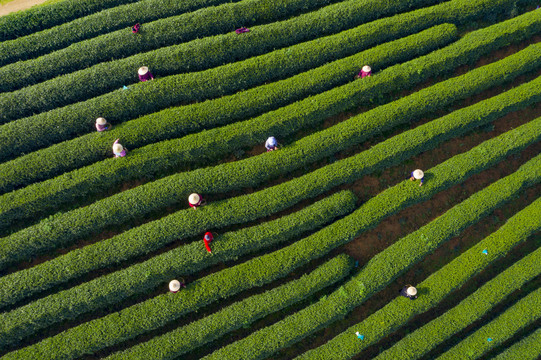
117	148
411	291
207	237
367	68
142	70
101	121
194	199
174	285
418	174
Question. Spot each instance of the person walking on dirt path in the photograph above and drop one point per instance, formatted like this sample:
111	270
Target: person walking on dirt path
366	71
271	144
207	239
135	28
418	175
174	285
145	74
102	125
118	149
409	292
195	200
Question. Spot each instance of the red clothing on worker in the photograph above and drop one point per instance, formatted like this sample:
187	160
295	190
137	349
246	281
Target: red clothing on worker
198	204
364	74
207	239
135	28
146	77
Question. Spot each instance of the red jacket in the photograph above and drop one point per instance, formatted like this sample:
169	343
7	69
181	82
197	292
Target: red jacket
207	242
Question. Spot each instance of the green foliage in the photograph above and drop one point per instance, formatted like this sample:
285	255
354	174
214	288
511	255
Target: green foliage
115	287
451	277
204	52
42	17
528	348
25	320
117	327
143	98
178	121
158	34
128	204
523	313
119	17
386	266
189	258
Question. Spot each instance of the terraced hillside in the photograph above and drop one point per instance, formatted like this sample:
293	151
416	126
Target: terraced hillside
312	241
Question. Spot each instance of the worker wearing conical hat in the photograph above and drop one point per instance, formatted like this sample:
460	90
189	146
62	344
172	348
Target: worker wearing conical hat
102	125
418	175
118	149
366	71
174	285
195	200
207	239
144	74
409	292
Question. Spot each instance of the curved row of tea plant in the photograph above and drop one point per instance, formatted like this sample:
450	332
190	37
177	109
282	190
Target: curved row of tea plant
528	348
175	122
240	314
143	98
188	258
443	282
26	22
123	16
148	97
169	190
25	320
92	336
475	306
112	288
164	32
41	277
204	53
383	268
523	313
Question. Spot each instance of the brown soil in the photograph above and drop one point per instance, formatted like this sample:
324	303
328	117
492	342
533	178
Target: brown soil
17	5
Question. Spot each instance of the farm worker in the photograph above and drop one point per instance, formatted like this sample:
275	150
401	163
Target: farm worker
409	292
418	175
195	200
118	149
145	74
135	28
366	71
102	125
271	144
207	239
174	285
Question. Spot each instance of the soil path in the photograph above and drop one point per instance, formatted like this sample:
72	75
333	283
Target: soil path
17	5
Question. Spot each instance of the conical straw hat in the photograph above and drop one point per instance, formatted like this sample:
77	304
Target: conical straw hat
272	141
207	237
117	148
101	121
142	70
174	285
411	291
366	68
194	199
418	174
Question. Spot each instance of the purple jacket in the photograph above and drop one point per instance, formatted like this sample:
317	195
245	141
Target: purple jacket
122	153
147	76
364	74
101	128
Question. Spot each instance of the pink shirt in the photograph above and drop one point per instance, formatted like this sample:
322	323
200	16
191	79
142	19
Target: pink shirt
120	154
147	76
